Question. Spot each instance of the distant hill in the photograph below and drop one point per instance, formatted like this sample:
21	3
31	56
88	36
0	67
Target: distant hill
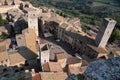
89	11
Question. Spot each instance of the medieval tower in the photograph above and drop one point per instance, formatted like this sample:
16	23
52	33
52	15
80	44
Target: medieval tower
44	53
105	31
33	20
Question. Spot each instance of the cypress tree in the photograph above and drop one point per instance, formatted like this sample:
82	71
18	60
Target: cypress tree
5	3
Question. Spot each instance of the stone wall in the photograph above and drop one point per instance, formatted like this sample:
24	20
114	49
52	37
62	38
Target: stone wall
4	9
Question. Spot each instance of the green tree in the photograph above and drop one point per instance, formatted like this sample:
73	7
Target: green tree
13	3
5	21
115	35
26	6
5	3
21	6
1	20
3	36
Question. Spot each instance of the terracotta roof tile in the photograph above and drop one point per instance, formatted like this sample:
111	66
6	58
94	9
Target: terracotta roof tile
53	76
52	67
61	55
73	60
3	54
36	77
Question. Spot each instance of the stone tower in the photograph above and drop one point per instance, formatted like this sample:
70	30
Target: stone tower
105	31
33	20
44	53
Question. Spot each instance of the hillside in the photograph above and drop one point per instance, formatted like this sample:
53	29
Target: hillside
89	11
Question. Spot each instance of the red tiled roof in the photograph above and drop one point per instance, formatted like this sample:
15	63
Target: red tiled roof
52	67
36	77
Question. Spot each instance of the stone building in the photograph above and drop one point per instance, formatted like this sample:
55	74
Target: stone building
33	16
52	76
61	31
75	22
70	31
26	51
71	65
14	14
92	51
3	55
44	53
52	67
77	68
61	58
81	41
31	42
105	32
